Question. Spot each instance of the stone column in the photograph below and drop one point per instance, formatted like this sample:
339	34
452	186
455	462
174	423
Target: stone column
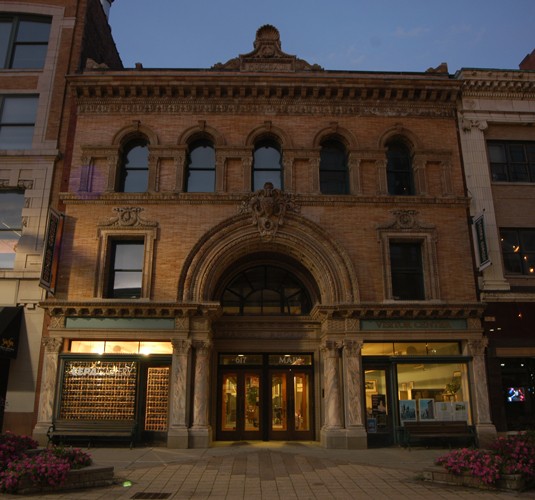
47	392
180	169
354	174
352	362
287	172
419	177
486	431
177	436
200	432
247	166
332	433
382	183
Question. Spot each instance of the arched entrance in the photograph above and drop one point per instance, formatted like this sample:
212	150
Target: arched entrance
266	372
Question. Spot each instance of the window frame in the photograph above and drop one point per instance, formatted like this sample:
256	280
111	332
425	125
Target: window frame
14	229
198	143
274	144
107	238
343	171
123	170
14	42
521	254
427	241
394	174
407	272
508	165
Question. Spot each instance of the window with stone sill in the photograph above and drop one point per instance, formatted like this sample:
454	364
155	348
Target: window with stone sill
23	41
512	161
17	121
406	270
518	250
267	164
125	263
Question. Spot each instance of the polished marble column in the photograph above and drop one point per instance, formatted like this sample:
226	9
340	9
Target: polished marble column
177	436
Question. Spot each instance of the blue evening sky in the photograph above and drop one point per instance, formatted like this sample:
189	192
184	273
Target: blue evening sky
363	35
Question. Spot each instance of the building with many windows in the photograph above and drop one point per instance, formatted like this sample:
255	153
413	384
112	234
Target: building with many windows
264	250
40	43
496	119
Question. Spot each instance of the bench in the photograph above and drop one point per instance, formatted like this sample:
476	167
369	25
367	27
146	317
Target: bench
438	431
64	430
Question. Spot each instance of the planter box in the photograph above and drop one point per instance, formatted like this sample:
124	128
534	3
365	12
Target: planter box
513	482
88	477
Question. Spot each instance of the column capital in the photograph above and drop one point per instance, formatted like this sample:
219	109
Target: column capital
181	346
352	347
52	344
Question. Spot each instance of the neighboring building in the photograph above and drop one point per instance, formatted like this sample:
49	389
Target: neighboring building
40	43
265	250
496	122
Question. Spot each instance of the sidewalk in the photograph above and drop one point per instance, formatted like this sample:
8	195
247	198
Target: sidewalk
271	470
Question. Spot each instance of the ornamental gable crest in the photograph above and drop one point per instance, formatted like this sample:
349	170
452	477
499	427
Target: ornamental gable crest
267	56
268	207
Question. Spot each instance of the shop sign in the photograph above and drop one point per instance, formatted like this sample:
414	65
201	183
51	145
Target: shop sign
101	370
412	324
240	359
10	318
290	359
51	250
481	242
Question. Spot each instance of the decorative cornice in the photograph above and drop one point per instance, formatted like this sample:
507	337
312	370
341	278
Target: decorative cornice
499	84
398	310
114	309
163	198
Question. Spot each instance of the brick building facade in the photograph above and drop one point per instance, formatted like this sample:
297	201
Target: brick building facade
41	43
265	250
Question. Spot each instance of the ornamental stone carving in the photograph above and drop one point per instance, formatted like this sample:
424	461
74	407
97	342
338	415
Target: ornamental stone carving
128	217
268	207
406	220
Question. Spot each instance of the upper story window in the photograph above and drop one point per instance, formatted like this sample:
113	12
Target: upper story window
406	269
23	41
518	249
135	167
200	177
125	279
11	205
333	168
267	164
399	169
266	290
512	161
17	121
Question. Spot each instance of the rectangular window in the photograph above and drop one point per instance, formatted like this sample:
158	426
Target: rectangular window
126	269
518	250
406	271
17	121
23	41
512	161
11	205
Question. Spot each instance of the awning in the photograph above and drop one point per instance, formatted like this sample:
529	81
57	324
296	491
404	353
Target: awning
10	318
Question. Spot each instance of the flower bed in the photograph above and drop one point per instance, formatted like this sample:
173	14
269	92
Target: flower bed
509	464
22	466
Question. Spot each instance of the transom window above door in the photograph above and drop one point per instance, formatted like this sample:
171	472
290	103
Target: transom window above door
265	290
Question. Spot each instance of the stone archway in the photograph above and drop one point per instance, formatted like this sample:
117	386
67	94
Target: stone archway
298	238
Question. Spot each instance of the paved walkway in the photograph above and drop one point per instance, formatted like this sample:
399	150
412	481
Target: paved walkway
260	470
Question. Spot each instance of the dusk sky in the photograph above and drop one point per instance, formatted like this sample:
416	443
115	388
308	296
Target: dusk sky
362	35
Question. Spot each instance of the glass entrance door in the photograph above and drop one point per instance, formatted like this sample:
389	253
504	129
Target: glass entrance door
379	411
240	409
290	407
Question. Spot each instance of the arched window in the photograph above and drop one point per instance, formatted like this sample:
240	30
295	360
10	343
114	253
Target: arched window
135	167
333	168
267	164
265	290
399	169
200	175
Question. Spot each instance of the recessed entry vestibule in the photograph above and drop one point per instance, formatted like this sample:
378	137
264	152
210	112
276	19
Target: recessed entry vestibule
265	396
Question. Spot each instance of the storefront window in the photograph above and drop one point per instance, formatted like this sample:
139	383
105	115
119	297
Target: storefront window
433	391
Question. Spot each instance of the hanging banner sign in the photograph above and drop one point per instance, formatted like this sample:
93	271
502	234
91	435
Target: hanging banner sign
481	242
49	268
